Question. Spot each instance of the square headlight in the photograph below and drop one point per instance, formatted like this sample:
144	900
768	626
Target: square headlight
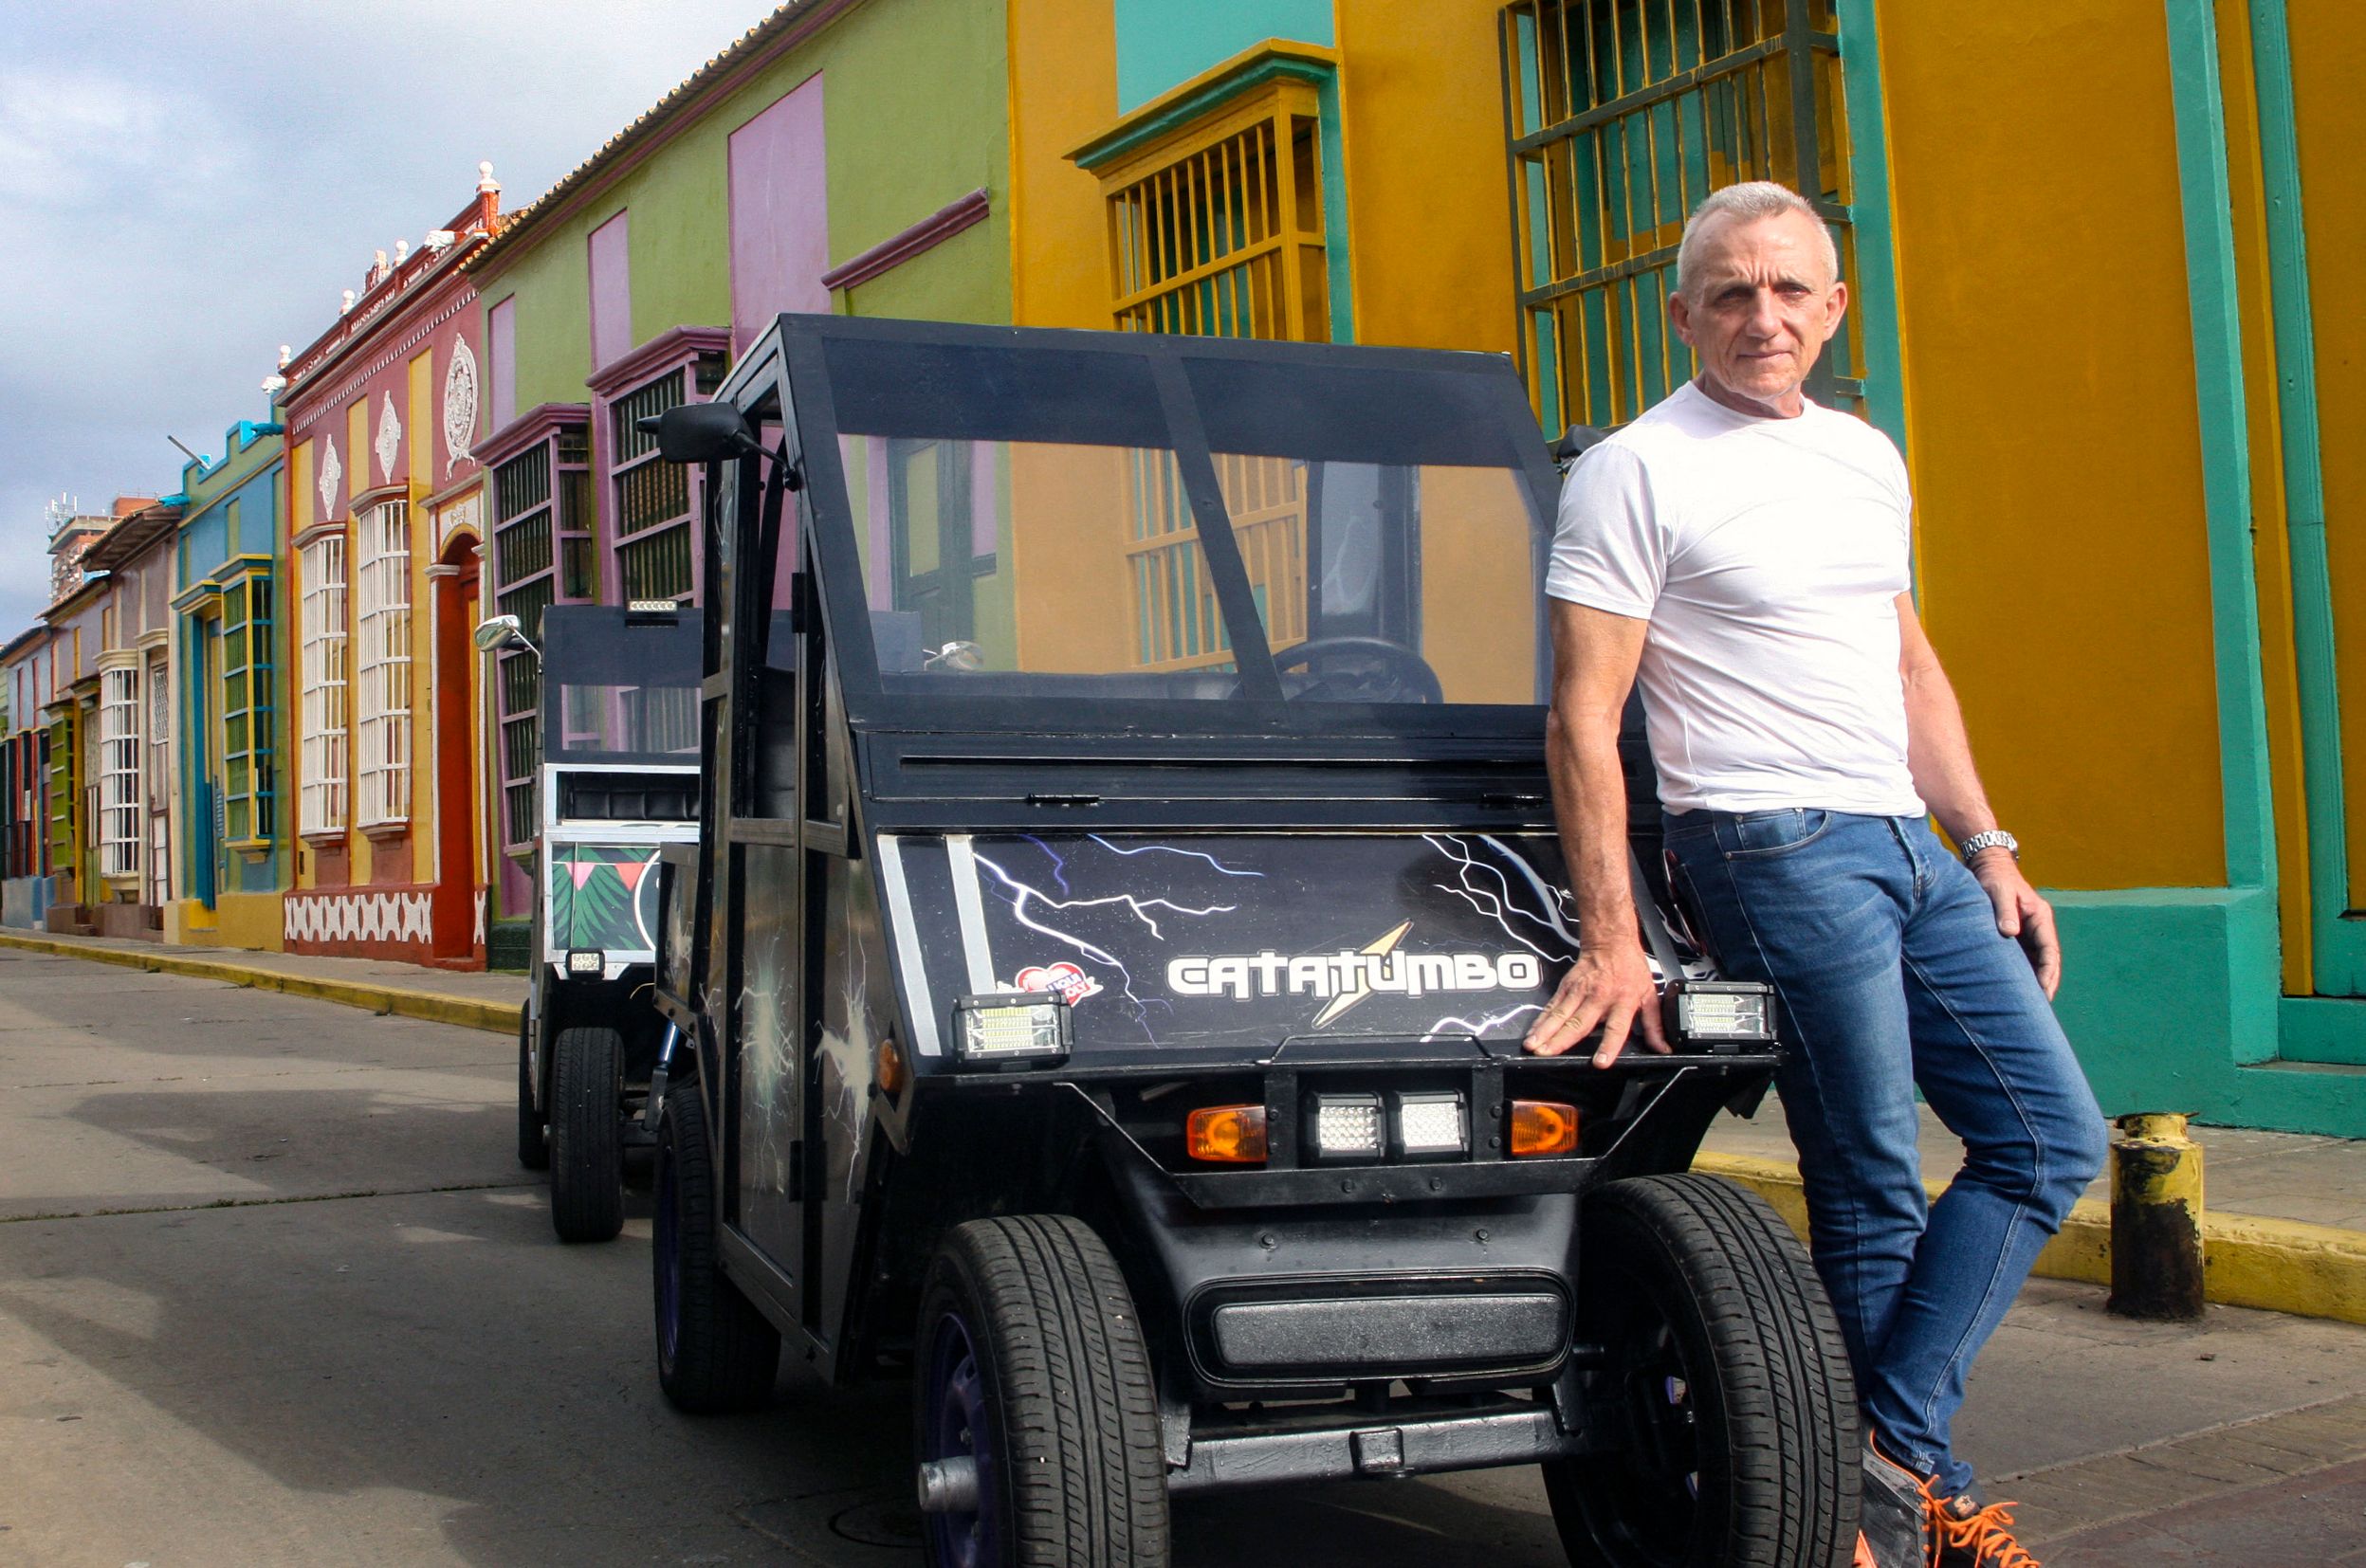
1013	1026
586	961
1348	1126
1724	1009
1429	1124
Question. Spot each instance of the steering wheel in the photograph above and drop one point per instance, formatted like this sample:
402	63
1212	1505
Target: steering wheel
1365	669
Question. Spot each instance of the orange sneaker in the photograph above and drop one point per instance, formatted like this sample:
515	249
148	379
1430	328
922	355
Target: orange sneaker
1966	1535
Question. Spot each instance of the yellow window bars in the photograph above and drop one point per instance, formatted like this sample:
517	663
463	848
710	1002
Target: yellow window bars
1621	115
1219	228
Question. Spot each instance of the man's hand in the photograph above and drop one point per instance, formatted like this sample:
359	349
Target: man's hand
1610	985
2020	914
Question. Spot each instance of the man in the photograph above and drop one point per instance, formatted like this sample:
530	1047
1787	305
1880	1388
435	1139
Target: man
1743	553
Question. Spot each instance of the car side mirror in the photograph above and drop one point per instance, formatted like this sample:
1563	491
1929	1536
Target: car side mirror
700	432
1576	442
503	632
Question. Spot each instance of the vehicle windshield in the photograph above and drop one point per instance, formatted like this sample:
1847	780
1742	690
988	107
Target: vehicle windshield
1059	525
625	687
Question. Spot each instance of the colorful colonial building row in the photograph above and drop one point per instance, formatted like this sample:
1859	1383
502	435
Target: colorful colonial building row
2100	252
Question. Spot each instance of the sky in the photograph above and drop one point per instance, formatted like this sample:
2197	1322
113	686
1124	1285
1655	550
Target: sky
185	187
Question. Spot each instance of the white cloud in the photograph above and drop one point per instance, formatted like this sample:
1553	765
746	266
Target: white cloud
82	140
184	187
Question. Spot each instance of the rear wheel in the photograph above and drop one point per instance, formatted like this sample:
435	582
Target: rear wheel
532	1151
587	1133
1036	1419
1723	1377
715	1351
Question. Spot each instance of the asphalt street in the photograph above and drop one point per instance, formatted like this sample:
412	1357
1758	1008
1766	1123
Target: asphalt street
274	1290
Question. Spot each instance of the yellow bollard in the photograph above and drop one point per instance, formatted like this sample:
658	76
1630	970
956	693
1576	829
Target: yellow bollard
2155	1220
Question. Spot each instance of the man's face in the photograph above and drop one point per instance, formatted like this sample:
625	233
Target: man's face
1760	308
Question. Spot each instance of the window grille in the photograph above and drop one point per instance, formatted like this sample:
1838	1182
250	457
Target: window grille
652	496
518	737
382	664
542	555
321	806
120	830
1225	236
1621	115
246	701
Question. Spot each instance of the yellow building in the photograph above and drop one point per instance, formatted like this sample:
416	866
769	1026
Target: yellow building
2098	255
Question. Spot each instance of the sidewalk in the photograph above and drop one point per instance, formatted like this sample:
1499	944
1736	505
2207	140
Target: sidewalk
2285	1221
440	995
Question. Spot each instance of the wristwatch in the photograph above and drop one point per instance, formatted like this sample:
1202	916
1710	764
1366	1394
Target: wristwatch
1995	838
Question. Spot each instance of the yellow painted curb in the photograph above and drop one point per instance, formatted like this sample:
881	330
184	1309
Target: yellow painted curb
2280	1264
434	1007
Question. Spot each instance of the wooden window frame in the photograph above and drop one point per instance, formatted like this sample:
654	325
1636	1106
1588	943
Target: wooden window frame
251	593
122	833
324	691
382	665
1219	227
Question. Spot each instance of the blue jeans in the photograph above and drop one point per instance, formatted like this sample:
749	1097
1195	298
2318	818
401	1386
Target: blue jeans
1890	974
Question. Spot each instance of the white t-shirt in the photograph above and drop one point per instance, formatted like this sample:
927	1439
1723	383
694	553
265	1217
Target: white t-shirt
1767	556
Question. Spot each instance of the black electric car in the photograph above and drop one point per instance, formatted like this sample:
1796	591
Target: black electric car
1125	874
615	692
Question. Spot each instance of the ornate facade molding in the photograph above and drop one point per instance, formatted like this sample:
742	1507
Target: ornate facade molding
664	351
389	443
536	424
334	402
921	237
332	471
460	403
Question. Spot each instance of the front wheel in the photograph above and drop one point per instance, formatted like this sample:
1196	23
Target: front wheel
1723	1379
715	1351
587	1133
1036	1420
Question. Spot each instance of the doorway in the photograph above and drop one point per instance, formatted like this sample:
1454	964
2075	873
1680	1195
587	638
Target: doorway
459	674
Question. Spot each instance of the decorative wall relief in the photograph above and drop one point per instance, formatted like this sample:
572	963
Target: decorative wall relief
460	394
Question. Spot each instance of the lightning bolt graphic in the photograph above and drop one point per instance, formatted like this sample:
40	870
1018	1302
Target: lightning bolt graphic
1060	867
1020	894
1346	999
1170	849
1478	1031
1499	904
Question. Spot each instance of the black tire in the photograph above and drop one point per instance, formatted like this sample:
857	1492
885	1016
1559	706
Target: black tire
715	1351
587	1133
1727	1375
1058	1410
533	1147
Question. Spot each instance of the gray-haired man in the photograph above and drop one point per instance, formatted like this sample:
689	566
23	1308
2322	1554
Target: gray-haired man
1743	553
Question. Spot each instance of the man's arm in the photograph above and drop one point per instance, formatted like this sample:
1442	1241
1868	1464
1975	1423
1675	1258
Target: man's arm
1939	750
1594	657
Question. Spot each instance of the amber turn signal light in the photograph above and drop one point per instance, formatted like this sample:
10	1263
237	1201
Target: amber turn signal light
1229	1134
1543	1128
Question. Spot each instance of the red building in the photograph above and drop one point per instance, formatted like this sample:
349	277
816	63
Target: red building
385	511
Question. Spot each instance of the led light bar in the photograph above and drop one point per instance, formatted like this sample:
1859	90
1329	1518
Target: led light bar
1348	1126
1430	1125
587	960
1722	1011
1012	1026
